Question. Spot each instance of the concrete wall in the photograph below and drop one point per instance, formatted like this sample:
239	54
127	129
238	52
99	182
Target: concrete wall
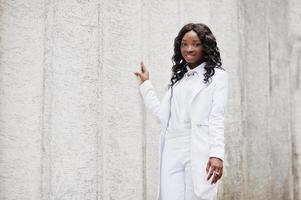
72	122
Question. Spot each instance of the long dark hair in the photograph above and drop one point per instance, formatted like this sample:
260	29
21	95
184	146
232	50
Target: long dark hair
211	54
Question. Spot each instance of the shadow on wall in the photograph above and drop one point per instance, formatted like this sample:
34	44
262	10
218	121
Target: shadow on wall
295	62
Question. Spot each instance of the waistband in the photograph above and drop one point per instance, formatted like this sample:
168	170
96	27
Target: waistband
178	132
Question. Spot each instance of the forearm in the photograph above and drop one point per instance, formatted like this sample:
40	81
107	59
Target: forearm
150	98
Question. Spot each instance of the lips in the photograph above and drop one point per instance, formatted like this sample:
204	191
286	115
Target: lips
189	56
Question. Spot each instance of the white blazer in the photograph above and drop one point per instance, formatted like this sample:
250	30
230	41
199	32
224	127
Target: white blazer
207	110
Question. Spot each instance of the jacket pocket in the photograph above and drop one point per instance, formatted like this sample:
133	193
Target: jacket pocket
202	123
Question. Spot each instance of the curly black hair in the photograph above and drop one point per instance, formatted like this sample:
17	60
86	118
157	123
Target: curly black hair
211	54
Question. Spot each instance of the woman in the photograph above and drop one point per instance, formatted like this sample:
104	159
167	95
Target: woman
192	116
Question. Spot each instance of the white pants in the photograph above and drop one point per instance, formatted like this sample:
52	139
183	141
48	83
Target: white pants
176	180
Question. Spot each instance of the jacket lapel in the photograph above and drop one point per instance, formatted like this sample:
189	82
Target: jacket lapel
200	86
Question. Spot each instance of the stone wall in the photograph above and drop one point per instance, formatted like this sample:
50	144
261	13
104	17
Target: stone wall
72	122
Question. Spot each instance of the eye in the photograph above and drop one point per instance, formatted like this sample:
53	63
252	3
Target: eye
183	44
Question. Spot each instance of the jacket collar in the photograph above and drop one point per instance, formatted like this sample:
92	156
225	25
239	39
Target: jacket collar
198	69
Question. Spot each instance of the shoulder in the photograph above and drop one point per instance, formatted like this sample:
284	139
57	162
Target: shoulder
220	75
220	72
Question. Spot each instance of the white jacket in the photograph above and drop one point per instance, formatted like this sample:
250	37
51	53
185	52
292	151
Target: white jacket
207	111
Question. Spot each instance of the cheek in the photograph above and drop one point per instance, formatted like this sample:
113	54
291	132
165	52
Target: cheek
200	53
181	52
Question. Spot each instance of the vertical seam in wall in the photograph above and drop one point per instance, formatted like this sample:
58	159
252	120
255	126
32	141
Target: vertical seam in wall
268	111
46	189
99	133
97	107
294	75
290	124
268	98
143	135
298	70
240	9
43	109
294	182
269	63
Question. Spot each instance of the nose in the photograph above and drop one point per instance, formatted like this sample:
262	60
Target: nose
190	48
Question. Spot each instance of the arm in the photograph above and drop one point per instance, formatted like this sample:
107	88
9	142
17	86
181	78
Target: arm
217	116
150	98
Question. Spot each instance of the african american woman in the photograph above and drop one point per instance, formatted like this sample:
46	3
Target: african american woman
191	114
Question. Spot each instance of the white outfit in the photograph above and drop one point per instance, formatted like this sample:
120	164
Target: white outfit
176	166
192	131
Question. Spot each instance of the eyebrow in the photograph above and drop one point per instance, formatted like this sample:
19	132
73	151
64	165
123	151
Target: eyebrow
193	40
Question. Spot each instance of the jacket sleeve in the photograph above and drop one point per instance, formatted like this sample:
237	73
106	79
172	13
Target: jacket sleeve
150	98
217	116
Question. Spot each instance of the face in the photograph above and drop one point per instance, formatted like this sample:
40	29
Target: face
191	48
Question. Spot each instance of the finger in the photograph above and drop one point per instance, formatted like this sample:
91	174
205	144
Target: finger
217	175
210	173
142	67
137	73
215	178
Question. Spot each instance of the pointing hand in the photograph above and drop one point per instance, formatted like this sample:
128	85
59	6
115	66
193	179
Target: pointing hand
144	74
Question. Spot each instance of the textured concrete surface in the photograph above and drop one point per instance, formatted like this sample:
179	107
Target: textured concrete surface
294	35
72	122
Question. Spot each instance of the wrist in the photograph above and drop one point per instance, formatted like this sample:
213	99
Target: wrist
143	81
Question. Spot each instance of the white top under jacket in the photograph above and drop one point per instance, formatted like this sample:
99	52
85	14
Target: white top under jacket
182	94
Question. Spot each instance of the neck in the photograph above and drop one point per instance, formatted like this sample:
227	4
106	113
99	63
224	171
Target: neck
193	65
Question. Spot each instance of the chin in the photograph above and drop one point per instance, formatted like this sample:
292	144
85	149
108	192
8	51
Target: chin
190	62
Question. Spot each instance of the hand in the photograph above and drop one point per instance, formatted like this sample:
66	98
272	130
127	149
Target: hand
214	166
144	75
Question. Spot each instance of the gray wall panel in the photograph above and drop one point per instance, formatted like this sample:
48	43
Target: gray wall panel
71	100
256	75
122	136
21	96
